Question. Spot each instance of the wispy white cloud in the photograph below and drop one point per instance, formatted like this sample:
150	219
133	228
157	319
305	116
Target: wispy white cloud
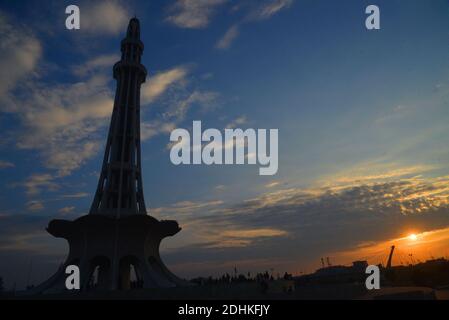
177	102
96	64
266	9
160	82
150	129
66	210
104	17
371	171
272	184
199	217
6	164
258	11
226	40
184	207
399	195
237	122
177	111
76	195
57	120
62	121
241	237
18	48
35	205
71	115
193	14
31	241
38	182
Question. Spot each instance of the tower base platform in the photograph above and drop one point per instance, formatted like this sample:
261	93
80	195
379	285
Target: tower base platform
113	254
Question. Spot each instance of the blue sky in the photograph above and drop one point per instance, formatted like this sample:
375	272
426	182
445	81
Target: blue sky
362	118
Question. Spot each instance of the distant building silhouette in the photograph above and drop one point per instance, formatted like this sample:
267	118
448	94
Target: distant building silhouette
116	246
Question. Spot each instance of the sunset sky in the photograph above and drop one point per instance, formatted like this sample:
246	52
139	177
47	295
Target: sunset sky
362	117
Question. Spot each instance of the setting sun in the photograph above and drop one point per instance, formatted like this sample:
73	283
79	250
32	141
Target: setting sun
413	237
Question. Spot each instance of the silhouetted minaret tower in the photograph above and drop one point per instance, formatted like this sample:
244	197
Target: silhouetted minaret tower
120	190
117	235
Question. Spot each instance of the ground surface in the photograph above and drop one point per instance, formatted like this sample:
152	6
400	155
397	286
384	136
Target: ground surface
247	291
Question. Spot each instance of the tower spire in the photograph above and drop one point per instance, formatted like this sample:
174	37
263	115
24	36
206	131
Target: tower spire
133	29
120	190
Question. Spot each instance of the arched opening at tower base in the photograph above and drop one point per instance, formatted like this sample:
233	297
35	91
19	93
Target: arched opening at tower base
129	273
100	273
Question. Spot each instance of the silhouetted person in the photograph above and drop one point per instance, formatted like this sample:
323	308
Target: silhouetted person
287	276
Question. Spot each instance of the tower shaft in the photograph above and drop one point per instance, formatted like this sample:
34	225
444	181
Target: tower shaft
120	190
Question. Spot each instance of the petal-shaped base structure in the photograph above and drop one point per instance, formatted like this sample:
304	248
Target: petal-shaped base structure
107	249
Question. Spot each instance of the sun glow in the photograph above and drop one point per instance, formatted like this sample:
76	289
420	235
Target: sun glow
413	237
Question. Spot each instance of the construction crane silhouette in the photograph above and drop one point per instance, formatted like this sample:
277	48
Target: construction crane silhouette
390	257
